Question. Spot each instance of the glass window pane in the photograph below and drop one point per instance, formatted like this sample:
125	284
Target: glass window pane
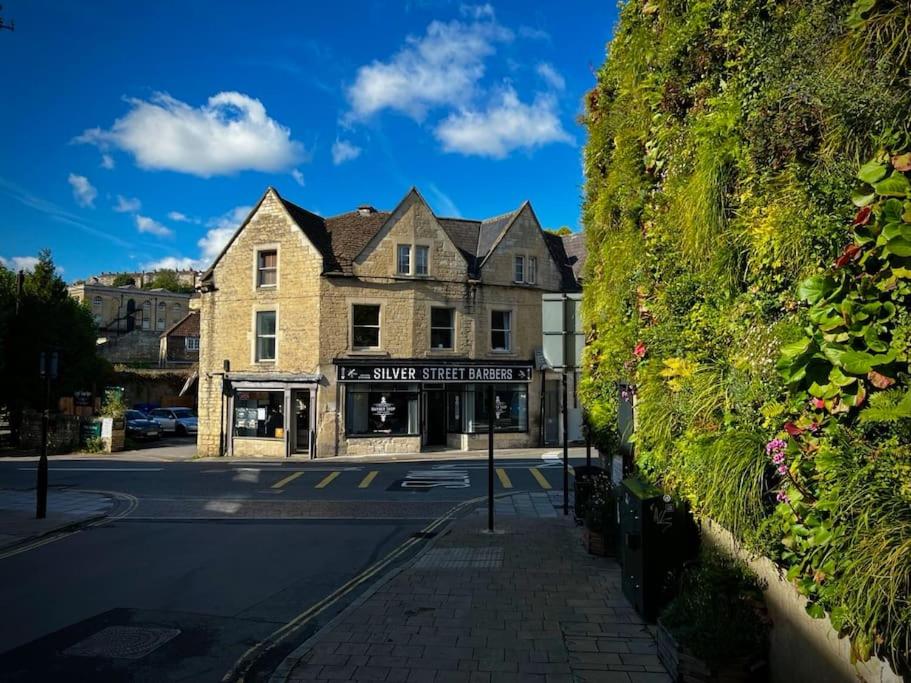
268	259
441	339
259	414
520	269
268	277
404	259
381	409
421	257
265	322
366	336
366	315
441	317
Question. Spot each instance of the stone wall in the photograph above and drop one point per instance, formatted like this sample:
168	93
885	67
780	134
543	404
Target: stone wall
256	448
134	348
801	648
63	432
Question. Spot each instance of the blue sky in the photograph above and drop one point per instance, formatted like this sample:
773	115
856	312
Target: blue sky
137	135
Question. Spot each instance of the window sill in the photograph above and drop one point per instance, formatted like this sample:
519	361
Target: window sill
368	351
266	287
442	352
502	352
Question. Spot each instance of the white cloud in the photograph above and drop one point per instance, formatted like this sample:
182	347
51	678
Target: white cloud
107	161
230	133
17	263
298	177
343	151
127	205
507	124
153	227
178	217
83	192
533	33
221	229
551	76
442	67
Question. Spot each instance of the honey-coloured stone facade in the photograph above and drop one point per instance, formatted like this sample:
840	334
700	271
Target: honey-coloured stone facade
313	301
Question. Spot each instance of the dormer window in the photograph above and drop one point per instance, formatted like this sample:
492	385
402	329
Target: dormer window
403	260
267	268
412	259
519	269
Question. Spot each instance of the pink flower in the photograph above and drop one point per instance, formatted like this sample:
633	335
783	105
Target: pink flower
782	497
778	458
782	469
639	350
818	403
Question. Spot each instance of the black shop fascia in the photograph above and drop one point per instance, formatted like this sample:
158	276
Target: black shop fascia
432	398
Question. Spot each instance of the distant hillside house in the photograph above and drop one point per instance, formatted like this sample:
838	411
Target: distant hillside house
179	345
376	331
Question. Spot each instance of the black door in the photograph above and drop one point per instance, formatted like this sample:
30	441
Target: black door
436	417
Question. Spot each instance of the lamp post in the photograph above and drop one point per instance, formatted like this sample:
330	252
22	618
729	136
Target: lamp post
48	369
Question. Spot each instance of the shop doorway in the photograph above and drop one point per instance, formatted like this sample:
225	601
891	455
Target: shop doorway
435	402
300	406
552	412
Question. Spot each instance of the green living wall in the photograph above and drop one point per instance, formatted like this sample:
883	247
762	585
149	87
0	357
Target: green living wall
748	221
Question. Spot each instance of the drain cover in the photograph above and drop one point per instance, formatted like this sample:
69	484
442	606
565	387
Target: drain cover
122	642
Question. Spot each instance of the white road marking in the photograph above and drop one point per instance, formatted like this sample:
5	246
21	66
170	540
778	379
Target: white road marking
426	479
96	469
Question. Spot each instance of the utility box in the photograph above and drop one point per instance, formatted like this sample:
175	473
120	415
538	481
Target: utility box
657	535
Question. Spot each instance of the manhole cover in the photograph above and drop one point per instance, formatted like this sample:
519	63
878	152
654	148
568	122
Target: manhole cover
122	642
461	558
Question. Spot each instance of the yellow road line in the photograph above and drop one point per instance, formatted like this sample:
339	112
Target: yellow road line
328	480
287	480
368	480
540	477
504	478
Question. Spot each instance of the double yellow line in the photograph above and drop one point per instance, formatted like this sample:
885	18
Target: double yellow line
243	665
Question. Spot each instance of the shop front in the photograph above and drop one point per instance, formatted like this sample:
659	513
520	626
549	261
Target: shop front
401	406
270	414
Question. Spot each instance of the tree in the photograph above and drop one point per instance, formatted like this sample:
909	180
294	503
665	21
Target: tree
167	279
48	319
124	279
562	231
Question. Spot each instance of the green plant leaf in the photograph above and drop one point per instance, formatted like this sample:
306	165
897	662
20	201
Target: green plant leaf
896	185
862	196
815	288
872	172
815	610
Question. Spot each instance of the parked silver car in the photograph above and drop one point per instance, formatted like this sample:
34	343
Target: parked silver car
180	421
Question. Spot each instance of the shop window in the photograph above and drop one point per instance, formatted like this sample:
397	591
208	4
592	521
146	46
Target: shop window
147	315
441	328
267	268
531	270
501	330
162	315
519	269
265	336
365	326
381	409
421	260
510	408
454	411
403	260
191	343
259	414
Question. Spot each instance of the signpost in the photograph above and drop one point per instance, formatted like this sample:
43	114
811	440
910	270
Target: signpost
561	318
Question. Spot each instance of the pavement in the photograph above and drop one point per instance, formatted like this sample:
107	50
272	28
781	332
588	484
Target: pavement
65	509
526	603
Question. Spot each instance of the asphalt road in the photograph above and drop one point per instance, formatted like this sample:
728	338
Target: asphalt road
216	557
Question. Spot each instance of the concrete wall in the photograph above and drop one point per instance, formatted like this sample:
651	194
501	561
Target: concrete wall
802	648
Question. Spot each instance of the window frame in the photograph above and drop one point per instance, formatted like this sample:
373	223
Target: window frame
401	249
531	270
518	262
146	323
451	328
161	316
416	248
257	336
508	330
191	347
257	270
379	325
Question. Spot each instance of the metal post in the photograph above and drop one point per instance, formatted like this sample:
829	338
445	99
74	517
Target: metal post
565	449
588	442
41	486
491	416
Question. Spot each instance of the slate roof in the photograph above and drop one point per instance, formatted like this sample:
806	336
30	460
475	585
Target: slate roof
555	244
574	246
340	239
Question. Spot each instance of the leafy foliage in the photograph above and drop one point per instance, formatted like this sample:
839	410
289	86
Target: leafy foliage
748	219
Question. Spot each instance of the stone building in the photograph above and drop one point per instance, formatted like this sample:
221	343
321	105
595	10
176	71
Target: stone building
179	344
130	320
375	331
142	278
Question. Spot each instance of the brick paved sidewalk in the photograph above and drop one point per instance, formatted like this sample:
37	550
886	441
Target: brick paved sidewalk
64	508
528	604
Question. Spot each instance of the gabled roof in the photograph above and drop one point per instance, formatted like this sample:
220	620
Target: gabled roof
555	244
187	326
341	239
574	246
